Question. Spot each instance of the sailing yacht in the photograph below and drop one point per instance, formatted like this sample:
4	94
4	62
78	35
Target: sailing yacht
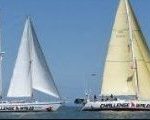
126	76
30	73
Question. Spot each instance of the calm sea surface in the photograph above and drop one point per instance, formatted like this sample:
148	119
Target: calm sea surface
74	113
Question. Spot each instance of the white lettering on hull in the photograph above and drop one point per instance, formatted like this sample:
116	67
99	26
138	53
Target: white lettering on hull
117	106
16	108
25	108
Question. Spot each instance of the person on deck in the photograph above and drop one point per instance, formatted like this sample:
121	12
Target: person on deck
95	98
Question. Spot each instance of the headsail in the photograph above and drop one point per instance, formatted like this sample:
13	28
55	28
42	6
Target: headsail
119	75
41	76
31	69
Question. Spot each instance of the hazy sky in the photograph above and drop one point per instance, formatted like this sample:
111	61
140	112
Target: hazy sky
73	34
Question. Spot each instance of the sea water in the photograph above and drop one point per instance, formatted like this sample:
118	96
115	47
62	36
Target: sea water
69	112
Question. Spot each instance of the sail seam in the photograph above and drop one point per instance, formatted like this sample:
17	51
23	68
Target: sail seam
126	30
125	61
117	61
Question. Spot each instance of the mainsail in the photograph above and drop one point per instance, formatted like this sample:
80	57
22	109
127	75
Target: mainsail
31	70
21	85
127	66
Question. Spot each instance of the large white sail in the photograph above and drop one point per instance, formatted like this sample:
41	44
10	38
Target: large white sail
21	84
31	70
120	78
42	79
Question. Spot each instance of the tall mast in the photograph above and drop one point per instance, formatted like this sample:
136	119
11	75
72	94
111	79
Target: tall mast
1	58
30	52
132	47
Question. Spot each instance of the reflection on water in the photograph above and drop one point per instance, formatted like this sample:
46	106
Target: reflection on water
75	113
